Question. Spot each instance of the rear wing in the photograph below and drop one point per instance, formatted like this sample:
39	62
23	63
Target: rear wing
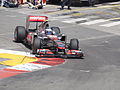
37	18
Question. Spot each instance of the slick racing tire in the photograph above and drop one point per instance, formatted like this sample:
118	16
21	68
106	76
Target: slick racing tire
36	45
74	44
56	30
20	33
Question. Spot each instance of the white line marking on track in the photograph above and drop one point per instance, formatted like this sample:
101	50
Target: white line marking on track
75	20
111	24
59	17
94	22
85	71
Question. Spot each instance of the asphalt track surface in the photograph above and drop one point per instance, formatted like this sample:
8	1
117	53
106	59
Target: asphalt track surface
99	70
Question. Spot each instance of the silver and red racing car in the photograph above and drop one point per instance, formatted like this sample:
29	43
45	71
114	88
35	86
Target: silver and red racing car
46	41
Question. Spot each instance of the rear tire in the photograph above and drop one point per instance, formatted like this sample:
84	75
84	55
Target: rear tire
56	30
36	45
74	44
20	33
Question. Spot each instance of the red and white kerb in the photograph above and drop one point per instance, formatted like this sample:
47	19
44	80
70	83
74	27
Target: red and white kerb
42	63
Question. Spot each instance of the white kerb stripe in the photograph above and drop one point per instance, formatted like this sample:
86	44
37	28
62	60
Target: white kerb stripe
29	67
94	22
111	24
16	52
74	20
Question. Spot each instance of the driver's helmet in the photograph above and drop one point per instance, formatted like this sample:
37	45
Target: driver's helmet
49	32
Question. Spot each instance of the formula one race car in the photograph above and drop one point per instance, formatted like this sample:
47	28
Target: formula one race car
45	40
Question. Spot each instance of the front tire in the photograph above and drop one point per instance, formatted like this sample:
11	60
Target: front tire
74	44
19	34
36	45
